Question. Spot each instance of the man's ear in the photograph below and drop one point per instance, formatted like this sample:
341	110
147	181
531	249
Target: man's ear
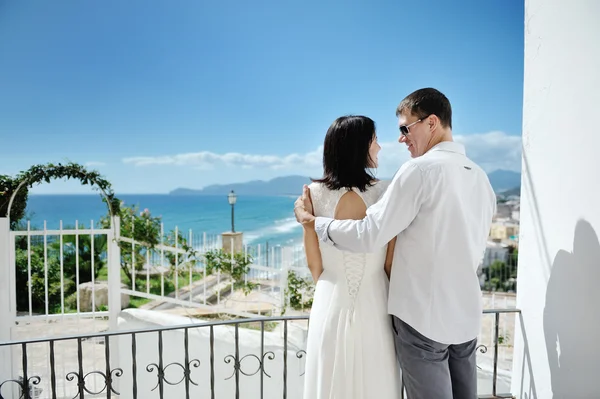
433	122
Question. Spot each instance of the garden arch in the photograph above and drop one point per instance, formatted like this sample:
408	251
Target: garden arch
45	173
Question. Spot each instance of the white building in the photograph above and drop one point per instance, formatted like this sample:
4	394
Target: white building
494	251
516	213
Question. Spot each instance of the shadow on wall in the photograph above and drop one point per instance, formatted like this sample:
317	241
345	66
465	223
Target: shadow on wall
571	320
532	393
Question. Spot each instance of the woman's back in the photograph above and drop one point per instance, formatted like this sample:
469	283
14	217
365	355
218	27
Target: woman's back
350	351
347	204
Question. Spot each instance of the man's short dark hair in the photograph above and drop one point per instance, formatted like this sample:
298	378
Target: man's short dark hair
425	102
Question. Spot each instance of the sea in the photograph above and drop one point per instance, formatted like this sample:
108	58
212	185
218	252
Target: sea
262	219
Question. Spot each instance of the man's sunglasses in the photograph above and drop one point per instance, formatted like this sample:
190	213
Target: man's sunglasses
404	129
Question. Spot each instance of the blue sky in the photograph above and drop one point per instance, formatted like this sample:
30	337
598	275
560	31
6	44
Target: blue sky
164	94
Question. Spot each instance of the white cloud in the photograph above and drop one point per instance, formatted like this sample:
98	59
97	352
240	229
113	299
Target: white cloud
92	164
206	159
493	150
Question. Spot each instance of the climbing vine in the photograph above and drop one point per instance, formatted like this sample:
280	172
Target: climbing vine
39	269
8	185
299	292
45	173
236	268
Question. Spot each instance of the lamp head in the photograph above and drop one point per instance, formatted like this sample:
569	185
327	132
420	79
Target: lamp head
232	198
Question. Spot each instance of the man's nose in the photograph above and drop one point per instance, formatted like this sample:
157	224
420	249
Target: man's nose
402	138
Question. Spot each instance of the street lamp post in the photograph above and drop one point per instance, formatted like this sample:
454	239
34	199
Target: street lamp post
232	198
232	242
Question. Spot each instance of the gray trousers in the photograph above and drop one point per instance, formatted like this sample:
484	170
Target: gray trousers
431	370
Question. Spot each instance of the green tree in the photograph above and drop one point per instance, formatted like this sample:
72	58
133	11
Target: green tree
38	279
500	277
84	250
8	185
189	258
299	291
236	268
52	257
143	228
45	267
512	258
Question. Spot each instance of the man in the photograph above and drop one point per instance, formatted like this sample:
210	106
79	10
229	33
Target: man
440	206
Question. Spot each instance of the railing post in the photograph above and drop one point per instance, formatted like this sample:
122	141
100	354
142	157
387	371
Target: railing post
8	312
283	273
496	343
114	293
114	273
232	267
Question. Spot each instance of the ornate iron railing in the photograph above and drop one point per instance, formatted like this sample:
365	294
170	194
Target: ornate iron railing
123	366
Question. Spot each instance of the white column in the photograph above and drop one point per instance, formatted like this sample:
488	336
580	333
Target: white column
114	273
283	276
557	354
114	294
7	306
6	311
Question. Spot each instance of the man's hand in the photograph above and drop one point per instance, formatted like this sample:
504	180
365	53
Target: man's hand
303	209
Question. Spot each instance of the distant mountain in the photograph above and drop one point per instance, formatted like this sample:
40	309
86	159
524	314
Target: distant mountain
501	180
286	185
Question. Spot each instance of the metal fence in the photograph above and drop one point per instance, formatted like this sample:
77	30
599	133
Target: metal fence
261	357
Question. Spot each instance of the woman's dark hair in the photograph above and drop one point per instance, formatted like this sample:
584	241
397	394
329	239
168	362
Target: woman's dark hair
346	153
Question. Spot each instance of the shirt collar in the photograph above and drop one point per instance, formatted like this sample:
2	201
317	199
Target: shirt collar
450	146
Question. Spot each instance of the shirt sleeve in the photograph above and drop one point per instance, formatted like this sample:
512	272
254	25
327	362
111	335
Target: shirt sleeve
393	213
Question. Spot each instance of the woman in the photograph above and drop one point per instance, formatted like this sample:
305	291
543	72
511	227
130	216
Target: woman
350	349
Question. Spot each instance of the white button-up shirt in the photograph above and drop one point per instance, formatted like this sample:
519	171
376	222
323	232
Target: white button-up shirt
440	206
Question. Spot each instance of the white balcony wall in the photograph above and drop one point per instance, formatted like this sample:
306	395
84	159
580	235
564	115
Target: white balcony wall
557	354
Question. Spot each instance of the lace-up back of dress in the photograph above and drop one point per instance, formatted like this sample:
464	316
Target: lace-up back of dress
352	265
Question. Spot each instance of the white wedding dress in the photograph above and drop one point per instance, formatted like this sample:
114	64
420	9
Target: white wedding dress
350	347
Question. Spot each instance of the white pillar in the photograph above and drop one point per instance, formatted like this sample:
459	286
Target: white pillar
114	273
283	276
8	311
556	351
114	294
232	242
